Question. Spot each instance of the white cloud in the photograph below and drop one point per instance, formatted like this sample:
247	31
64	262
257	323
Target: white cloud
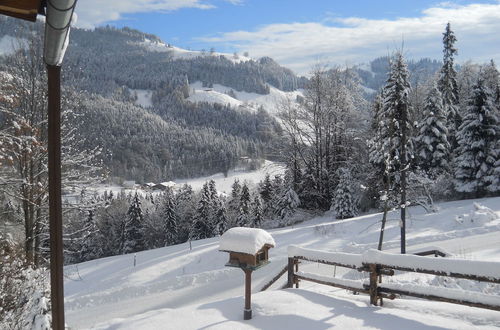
94	12
353	39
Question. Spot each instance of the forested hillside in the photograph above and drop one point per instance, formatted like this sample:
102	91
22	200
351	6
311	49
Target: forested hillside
174	138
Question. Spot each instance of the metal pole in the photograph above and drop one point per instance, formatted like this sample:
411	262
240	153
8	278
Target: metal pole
247	312
55	208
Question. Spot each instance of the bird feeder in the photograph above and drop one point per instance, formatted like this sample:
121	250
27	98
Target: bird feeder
249	250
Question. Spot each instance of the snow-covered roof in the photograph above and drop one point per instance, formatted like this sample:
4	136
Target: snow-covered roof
245	240
166	184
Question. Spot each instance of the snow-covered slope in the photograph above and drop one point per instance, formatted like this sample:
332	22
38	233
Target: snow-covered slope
179	288
224	183
179	53
252	101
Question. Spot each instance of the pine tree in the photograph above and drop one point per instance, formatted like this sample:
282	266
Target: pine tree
213	190
344	204
433	148
287	204
233	206
257	212
220	224
397	144
91	247
448	86
376	156
244	207
202	223
134	228
491	78
169	217
266	189
478	152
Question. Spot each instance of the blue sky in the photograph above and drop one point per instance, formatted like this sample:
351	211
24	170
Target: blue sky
299	33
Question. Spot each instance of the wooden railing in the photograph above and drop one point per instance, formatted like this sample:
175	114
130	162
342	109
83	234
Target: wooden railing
379	264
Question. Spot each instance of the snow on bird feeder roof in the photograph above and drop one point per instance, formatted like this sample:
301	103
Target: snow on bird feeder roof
245	240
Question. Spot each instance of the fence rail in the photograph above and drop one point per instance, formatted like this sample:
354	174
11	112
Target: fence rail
379	264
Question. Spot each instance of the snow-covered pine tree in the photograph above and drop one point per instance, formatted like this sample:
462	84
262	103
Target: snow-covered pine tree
233	205
169	217
433	148
92	241
287	204
213	191
134	228
202	226
397	143
221	223
376	156
448	86
257	212
244	207
266	189
344	203
491	78
478	152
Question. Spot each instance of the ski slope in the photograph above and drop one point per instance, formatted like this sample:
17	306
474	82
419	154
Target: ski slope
179	288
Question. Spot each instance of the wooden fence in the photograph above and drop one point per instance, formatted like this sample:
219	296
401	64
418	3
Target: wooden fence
379	264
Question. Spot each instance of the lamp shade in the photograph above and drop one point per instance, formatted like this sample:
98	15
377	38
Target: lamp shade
57	23
24	9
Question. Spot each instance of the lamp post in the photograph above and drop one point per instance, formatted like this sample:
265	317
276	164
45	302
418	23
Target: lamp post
58	19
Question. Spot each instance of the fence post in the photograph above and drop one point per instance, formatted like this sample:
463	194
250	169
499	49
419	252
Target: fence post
373	284
290	273
296	261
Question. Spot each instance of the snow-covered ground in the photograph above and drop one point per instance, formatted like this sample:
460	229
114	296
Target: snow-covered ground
179	53
143	97
250	101
224	183
179	288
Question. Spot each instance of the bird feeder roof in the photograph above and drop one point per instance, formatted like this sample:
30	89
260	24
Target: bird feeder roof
245	240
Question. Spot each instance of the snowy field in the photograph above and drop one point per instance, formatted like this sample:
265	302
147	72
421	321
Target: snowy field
222	182
179	288
250	101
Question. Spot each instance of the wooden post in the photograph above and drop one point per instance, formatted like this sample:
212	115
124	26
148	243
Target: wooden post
373	284
296	271
290	273
247	312
55	201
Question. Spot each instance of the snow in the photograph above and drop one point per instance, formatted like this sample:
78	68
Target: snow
181	288
143	97
462	295
9	44
251	101
337	281
445	265
304	309
353	260
179	53
245	240
224	183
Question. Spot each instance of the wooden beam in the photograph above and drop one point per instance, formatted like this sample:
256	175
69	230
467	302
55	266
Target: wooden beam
23	9
438	298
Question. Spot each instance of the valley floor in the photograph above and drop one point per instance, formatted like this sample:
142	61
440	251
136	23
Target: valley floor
179	288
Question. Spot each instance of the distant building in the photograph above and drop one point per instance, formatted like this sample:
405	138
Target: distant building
129	184
147	185
164	185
